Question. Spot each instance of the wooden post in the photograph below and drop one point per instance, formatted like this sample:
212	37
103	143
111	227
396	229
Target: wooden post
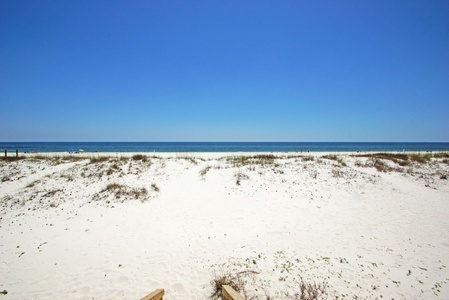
156	295
17	152
230	294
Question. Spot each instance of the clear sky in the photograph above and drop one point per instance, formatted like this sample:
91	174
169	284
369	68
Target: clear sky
224	70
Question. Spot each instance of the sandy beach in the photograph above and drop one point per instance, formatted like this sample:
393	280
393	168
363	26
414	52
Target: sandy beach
120	225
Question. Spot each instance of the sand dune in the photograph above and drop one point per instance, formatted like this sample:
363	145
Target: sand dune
118	226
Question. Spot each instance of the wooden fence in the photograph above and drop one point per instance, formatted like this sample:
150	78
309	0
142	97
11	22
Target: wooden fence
6	153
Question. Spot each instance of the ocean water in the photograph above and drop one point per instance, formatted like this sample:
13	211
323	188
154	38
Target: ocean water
219	146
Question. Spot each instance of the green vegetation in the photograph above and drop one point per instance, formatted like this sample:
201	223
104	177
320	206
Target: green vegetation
189	158
99	159
378	160
243	160
52	159
243	276
380	165
113	168
224	278
123	192
441	155
335	158
308	158
205	170
404	159
141	157
11	158
56	160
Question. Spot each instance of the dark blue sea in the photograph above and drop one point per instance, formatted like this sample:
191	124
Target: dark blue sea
218	146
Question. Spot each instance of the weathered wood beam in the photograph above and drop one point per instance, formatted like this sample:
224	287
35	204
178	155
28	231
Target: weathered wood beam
156	295
230	294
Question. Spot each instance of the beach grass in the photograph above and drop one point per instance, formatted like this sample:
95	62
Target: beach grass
335	158
189	159
122	192
405	158
140	157
243	160
99	159
221	278
11	158
204	171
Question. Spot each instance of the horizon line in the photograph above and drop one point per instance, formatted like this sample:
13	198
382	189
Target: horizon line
78	141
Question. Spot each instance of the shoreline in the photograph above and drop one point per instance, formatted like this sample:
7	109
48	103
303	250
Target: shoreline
268	147
213	154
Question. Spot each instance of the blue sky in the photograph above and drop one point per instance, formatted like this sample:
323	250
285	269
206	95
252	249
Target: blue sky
224	70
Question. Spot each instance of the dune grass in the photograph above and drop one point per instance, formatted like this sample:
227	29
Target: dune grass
11	158
245	160
122	192
405	159
224	278
204	171
335	158
140	157
248	277
54	160
377	160
99	159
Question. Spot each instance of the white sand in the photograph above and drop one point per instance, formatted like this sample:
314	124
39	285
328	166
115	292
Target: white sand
362	232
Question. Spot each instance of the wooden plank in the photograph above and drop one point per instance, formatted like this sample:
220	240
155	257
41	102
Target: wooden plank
156	295
230	294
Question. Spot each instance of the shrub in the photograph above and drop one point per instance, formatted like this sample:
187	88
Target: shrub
380	165
139	157
330	156
441	155
6	178
119	191
11	158
398	158
72	158
266	157
99	159
56	160
141	193
308	158
420	158
335	158
244	160
113	168
337	173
